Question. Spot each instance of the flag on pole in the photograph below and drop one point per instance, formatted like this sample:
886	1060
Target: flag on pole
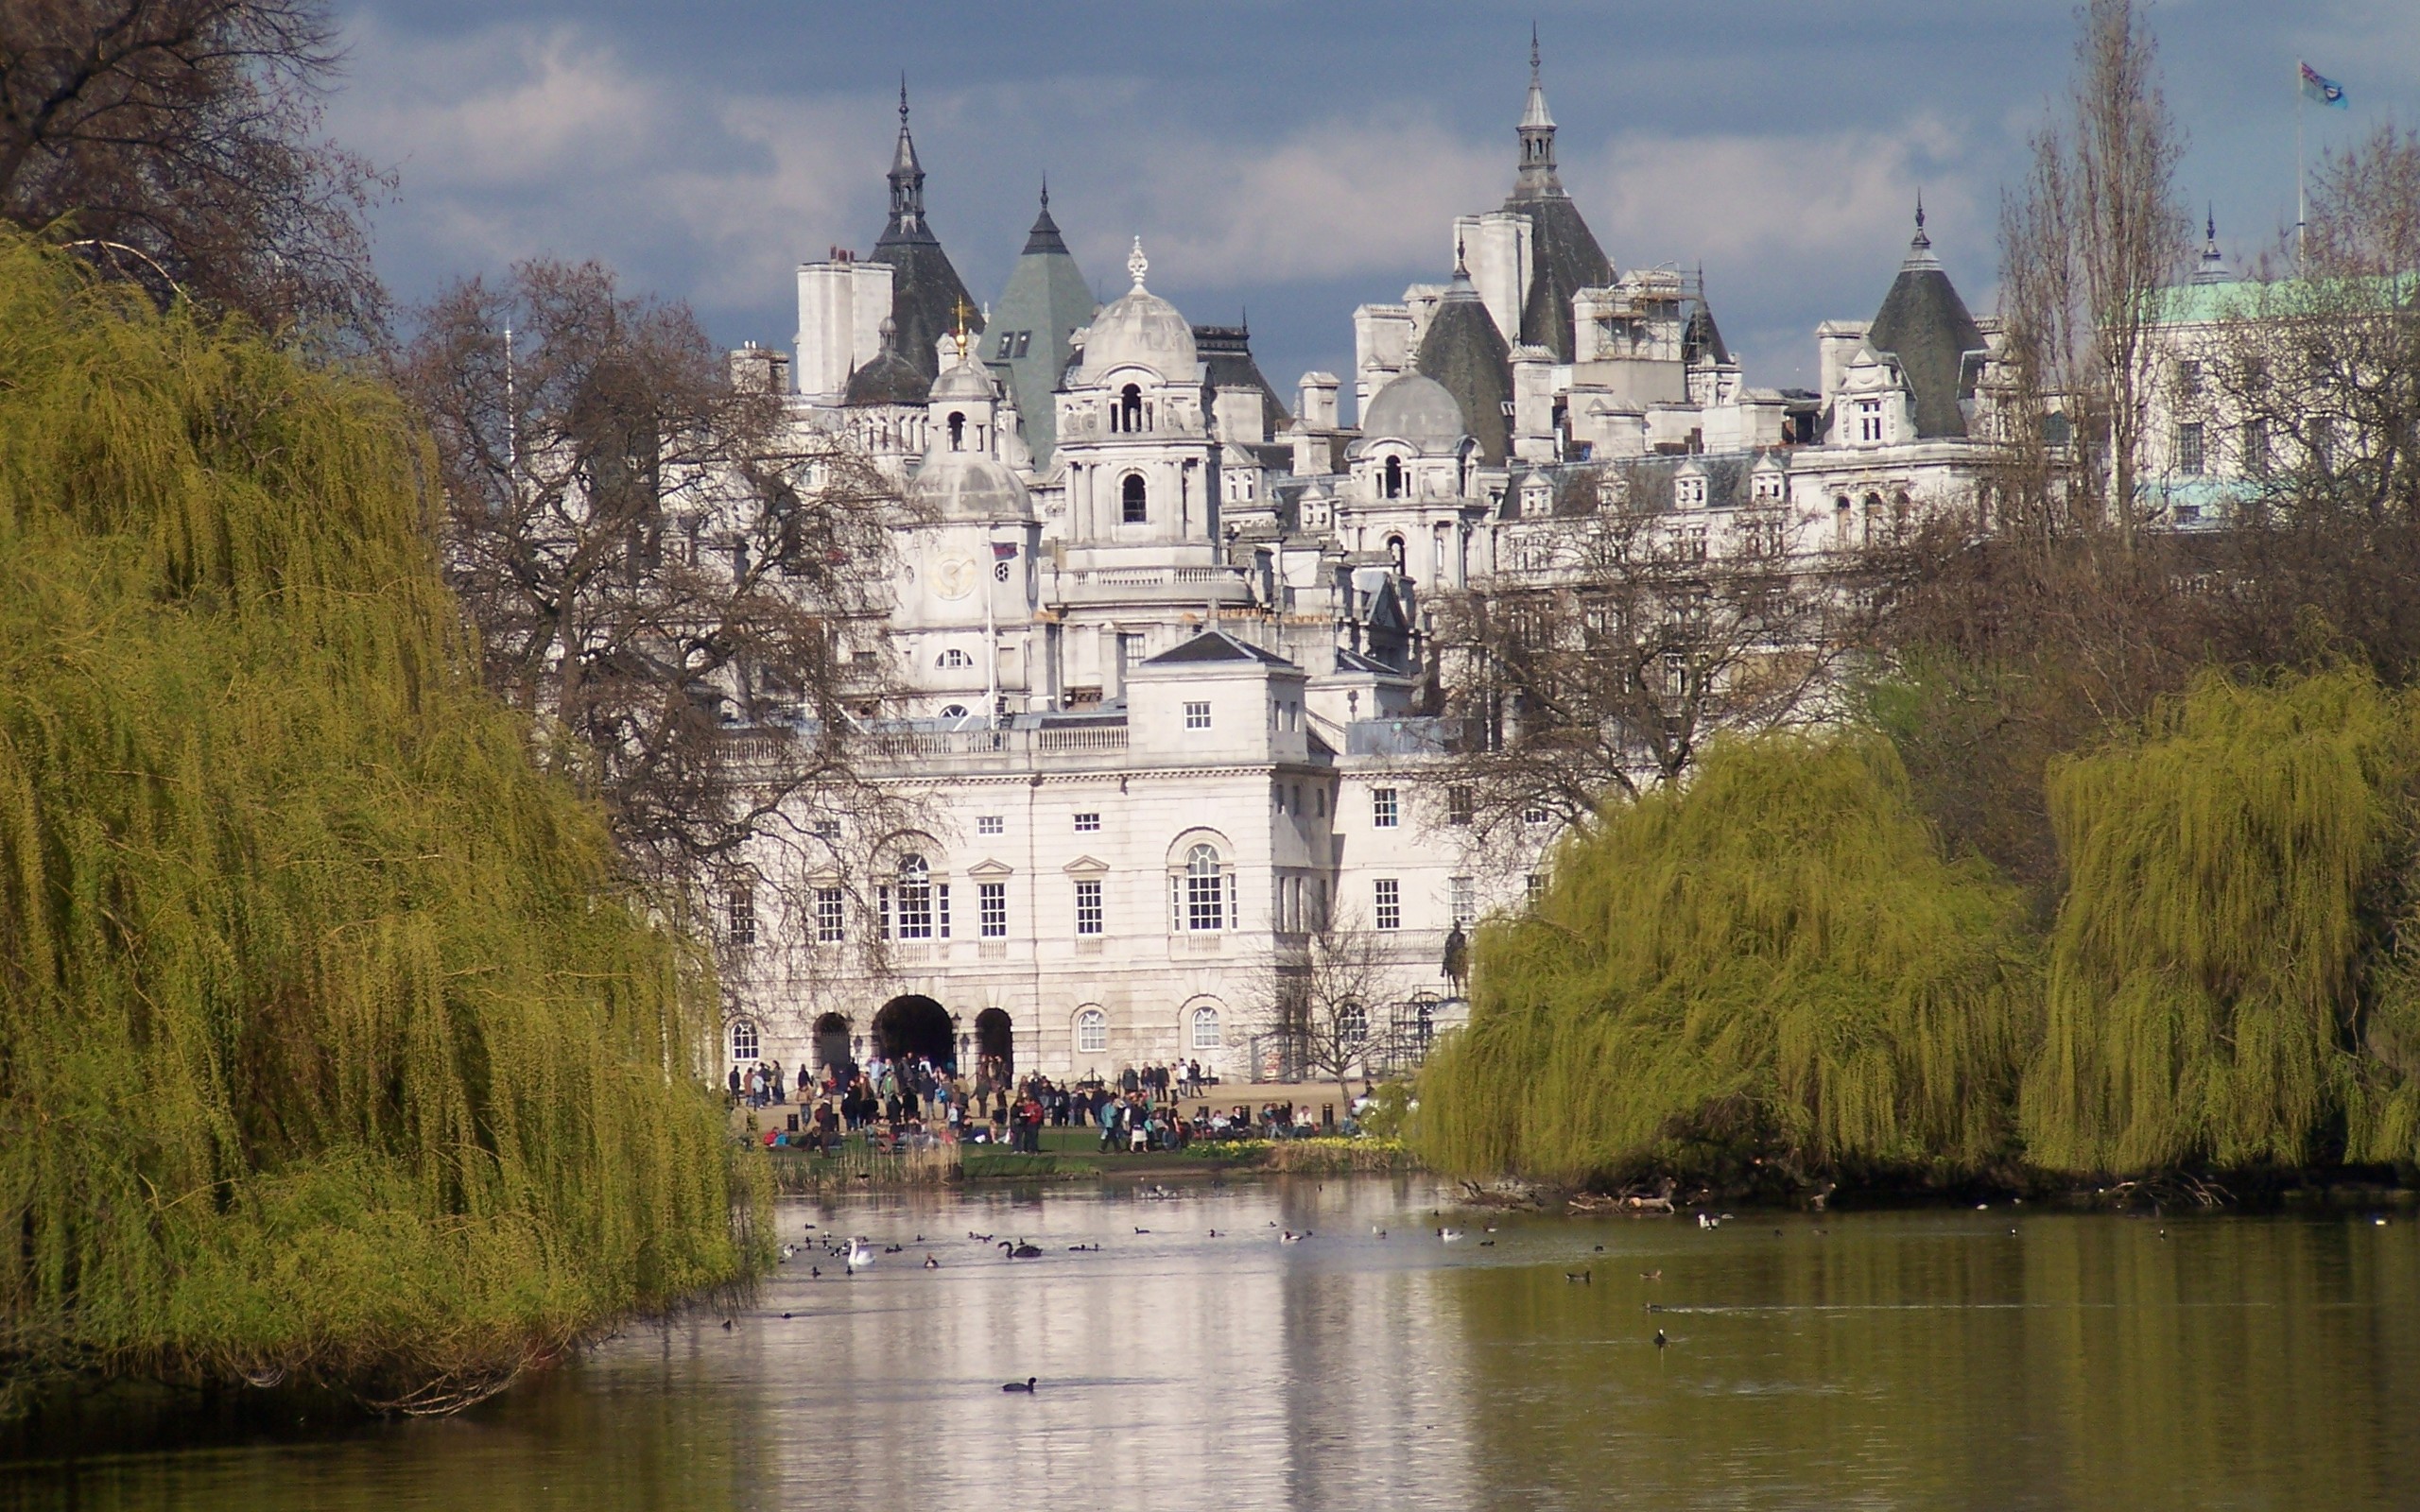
2323	90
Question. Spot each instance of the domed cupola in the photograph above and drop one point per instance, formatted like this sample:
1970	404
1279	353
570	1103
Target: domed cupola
962	476
888	379
1139	328
1416	409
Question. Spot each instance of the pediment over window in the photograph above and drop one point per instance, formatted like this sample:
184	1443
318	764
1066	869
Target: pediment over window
988	869
1086	867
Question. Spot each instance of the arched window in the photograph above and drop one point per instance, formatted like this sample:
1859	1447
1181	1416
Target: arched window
744	1046
1394	477
1132	498
1352	1025
1205	895
954	658
1092	1031
957	431
1394	550
1205	1028
1130	409
953	711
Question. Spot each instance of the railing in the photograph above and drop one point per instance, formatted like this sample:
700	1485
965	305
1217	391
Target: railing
1148	576
1080	738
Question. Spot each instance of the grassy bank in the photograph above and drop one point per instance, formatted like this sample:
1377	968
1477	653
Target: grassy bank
331	1054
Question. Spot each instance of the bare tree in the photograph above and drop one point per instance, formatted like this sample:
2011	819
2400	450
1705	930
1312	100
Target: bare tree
1322	1004
1645	628
680	589
2315	390
2087	250
174	142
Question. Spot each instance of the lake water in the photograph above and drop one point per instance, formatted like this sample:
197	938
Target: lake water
2003	1358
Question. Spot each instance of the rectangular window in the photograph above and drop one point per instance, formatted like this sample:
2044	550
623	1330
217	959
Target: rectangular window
991	824
1458	805
1087	823
1869	420
1390	903
913	910
827	829
992	909
2189	377
1465	900
1196	717
2255	448
1088	907
1383	811
831	920
743	917
1535	813
941	908
1538	886
1321	799
2188	448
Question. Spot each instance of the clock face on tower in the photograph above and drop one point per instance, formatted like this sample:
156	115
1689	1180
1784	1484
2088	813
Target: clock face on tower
954	577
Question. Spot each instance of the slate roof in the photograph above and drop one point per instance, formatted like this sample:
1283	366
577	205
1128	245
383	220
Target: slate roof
1464	351
1701	341
1216	646
1925	326
1565	259
887	379
1226	352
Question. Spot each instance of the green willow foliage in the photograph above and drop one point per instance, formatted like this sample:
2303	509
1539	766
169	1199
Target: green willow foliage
329	1050
2204	972
1773	962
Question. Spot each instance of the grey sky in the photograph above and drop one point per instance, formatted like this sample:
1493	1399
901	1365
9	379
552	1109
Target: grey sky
1292	159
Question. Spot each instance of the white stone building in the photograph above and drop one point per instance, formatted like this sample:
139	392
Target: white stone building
1162	641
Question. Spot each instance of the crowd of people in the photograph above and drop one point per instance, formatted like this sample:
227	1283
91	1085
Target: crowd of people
911	1102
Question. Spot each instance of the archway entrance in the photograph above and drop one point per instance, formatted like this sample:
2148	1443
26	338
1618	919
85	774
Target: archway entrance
831	1041
996	1042
915	1026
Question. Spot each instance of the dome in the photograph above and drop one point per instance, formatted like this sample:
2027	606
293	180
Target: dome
965	381
968	485
1416	409
1140	327
887	379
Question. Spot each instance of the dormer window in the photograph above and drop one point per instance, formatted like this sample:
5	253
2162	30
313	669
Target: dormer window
1869	420
1691	493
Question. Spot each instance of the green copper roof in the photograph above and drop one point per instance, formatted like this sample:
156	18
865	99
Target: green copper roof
1046	301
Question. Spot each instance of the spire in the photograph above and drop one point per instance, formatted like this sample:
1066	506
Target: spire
2213	268
1538	178
1045	235
907	182
1136	263
1919	245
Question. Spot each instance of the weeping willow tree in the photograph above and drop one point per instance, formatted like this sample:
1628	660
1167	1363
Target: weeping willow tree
2205	969
329	1050
1773	964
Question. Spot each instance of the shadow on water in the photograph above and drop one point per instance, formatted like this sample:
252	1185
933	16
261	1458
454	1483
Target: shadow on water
1897	1359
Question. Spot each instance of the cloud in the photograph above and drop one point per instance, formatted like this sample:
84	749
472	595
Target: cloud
515	142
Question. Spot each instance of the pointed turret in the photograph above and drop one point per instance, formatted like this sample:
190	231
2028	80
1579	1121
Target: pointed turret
1044	303
926	295
1564	257
1538	177
1925	326
1463	351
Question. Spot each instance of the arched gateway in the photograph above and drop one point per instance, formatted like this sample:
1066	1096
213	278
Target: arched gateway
996	1042
915	1026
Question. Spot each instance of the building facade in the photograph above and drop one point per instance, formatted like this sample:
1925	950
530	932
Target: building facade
1168	690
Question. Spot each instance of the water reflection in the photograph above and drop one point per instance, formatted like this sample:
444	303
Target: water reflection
1889	1360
